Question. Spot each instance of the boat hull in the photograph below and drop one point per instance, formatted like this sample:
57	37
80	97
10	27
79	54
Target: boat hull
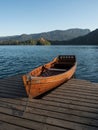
40	85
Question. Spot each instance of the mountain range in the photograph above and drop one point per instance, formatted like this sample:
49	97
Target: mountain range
89	39
56	35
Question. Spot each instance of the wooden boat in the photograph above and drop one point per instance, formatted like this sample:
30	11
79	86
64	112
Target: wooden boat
50	75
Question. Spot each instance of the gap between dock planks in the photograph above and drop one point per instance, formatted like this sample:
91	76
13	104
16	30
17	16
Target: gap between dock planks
71	106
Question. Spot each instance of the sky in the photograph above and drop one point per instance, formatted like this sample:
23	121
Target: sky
35	16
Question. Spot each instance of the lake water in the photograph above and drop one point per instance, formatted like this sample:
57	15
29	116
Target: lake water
22	59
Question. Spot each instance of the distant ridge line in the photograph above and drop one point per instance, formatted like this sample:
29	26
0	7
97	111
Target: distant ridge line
58	35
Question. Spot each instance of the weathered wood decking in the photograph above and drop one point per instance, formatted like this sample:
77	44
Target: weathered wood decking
72	106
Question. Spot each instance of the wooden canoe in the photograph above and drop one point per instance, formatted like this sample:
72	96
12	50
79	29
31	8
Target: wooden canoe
50	75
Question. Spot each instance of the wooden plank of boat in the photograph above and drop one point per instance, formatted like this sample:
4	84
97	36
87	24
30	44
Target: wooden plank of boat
49	76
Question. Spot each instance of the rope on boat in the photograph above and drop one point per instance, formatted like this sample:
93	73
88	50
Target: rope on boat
28	80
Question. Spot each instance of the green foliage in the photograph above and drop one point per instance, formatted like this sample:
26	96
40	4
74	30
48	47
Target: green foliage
28	42
43	42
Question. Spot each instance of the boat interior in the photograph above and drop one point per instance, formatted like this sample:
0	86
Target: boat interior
60	65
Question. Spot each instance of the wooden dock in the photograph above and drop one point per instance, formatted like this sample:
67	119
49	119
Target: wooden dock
72	106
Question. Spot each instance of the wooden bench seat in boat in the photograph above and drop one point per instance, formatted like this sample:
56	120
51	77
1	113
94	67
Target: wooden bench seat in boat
55	69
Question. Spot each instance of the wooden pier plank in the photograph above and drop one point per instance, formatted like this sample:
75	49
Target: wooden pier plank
71	106
20	111
7	126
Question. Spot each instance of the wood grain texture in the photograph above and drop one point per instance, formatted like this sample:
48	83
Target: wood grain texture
71	106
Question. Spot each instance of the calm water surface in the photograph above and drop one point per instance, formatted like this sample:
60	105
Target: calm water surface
22	59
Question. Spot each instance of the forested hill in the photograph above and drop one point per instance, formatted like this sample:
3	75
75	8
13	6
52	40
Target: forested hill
89	39
58	35
40	41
